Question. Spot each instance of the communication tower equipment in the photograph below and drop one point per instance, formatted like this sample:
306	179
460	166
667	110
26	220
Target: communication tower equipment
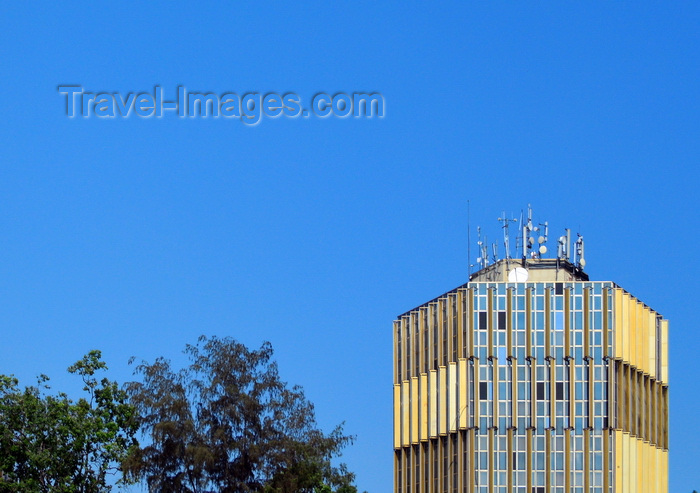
506	234
561	247
580	261
518	275
480	258
528	228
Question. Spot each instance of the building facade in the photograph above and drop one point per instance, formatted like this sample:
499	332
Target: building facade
531	378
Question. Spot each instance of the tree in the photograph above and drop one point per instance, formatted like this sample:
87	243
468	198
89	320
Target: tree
49	443
227	423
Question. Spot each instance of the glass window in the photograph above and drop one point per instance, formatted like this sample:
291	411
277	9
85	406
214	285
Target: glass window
558	320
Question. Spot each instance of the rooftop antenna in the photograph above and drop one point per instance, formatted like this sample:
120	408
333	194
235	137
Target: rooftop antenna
563	252
494	248
483	259
580	261
527	229
519	238
506	234
561	247
543	239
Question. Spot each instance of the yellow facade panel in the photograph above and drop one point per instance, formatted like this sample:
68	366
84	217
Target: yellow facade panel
640	465
656	482
606	327
643	338
664	351
470	321
625	463
632	464
423	432
405	408
442	398
450	306
414	410
463	398
664	468
452	409
625	326
397	416
617	328
460	324
632	328
651	343
433	431
442	358
396	345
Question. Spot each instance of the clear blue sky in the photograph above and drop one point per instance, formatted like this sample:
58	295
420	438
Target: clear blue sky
136	235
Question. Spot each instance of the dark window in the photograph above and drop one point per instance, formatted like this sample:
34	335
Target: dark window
515	460
560	391
501	320
540	391
483	390
482	320
559	288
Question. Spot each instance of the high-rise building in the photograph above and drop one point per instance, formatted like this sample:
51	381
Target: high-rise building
530	378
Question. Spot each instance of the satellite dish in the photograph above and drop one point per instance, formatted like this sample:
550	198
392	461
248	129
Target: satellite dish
541	240
543	249
583	263
518	275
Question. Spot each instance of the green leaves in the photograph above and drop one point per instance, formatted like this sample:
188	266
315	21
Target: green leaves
225	423
49	443
228	423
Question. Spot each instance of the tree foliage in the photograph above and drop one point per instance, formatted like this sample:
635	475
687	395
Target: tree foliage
49	443
227	423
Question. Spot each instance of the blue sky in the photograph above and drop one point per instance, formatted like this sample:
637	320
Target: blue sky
137	235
